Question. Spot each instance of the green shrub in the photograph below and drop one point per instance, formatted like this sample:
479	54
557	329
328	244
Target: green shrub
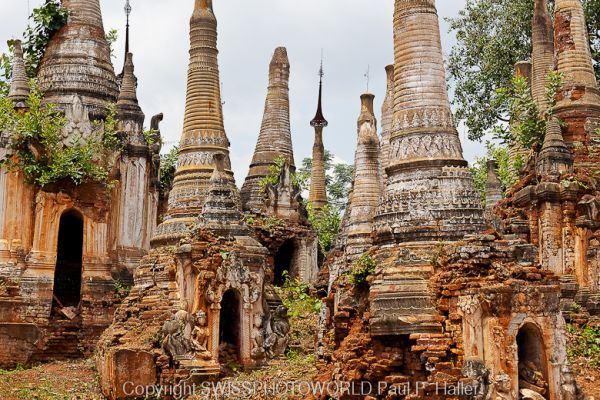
326	223
362	269
584	342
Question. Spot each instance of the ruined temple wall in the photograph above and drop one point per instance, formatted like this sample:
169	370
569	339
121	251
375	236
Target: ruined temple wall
16	213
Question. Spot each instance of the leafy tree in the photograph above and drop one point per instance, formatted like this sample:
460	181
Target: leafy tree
338	179
492	36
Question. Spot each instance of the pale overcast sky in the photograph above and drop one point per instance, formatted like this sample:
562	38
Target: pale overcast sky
354	35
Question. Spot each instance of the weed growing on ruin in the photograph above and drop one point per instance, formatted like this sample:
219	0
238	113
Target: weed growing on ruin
584	342
168	165
121	288
362	269
270	224
272	178
46	20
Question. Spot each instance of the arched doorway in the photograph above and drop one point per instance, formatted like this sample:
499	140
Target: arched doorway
283	262
67	274
229	327
533	372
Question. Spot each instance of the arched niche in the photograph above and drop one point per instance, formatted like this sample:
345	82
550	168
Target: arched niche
283	262
230	326
532	360
69	259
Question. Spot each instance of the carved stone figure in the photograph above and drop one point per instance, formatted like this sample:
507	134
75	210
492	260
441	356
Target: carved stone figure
200	336
277	341
258	339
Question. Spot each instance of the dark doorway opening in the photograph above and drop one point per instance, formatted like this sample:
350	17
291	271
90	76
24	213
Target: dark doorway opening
67	274
283	262
533	373
229	326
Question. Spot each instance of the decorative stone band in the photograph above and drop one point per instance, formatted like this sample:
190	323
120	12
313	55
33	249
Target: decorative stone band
416	146
427	118
204	138
198	160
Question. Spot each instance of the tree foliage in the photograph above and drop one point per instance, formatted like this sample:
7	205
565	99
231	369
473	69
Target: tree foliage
338	179
492	36
507	168
36	146
326	223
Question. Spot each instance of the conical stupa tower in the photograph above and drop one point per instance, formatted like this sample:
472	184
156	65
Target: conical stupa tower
275	138
317	195
203	130
367	187
430	193
387	114
578	98
77	61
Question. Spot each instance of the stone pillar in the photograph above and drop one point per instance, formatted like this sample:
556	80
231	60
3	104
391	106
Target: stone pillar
275	138
493	186
203	130
19	84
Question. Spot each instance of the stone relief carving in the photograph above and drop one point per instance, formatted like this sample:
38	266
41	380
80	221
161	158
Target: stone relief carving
186	336
78	126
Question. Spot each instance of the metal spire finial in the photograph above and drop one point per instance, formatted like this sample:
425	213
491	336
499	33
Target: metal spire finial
127	13
368	76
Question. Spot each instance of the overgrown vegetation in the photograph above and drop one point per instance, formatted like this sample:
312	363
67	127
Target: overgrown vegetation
36	144
46	20
272	177
584	343
362	269
493	35
111	37
303	311
121	288
326	223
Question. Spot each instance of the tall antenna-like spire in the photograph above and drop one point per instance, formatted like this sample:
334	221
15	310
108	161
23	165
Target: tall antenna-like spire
319	119
127	13
368	76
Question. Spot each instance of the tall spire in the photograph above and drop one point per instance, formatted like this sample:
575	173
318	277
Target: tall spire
127	14
19	86
319	119
387	115
203	130
275	138
77	61
578	96
430	193
366	188
543	53
318	193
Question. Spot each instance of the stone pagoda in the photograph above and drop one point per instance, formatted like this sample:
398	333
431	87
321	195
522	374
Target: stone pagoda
64	246
294	246
203	130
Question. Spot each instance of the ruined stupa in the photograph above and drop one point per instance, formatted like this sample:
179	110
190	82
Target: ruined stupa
64	246
317	196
